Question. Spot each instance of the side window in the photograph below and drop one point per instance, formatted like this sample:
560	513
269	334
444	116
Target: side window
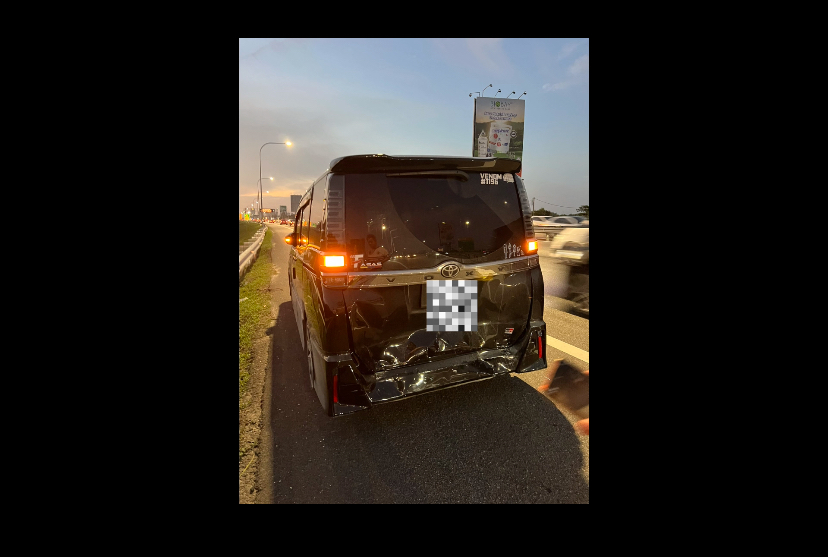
316	212
305	224
297	223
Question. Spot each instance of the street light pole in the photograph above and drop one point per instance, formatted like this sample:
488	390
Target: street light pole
260	162
259	184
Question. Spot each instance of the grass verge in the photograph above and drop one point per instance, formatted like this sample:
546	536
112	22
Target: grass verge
246	230
254	312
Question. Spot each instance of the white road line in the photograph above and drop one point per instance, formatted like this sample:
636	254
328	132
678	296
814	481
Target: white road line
568	348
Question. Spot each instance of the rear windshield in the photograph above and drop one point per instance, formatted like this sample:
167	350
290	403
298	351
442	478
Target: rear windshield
409	222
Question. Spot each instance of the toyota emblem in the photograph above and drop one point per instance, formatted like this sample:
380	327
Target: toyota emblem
450	270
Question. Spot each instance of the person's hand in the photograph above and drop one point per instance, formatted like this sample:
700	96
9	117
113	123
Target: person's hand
582	426
550	374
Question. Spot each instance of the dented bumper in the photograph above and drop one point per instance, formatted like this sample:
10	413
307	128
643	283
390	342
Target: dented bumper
353	388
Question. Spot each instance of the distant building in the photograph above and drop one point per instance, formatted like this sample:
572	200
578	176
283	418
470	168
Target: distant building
282	211
294	203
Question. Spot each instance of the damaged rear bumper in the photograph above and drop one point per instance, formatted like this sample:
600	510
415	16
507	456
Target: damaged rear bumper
352	389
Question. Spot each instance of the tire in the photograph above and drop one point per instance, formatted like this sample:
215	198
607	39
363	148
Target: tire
309	358
581	304
579	290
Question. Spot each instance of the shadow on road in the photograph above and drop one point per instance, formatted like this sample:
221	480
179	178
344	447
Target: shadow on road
496	441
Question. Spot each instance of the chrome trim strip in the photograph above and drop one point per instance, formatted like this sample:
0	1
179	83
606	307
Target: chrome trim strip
482	271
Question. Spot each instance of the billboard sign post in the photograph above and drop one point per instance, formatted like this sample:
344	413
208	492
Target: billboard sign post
498	128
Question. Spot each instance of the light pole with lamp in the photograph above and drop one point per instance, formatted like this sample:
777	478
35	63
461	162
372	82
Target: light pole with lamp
288	143
259	184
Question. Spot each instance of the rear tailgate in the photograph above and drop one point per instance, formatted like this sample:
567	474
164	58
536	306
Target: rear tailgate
401	231
389	327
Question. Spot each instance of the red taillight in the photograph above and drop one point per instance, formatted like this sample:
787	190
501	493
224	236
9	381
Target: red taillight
540	346
336	390
532	245
334	261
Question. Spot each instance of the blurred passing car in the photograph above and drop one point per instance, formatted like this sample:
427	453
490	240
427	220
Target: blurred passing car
571	247
548	227
283	221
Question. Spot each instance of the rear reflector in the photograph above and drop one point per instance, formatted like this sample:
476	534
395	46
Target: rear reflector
334	261
336	390
540	346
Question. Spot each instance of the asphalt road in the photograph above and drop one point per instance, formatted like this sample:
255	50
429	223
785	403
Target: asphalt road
494	441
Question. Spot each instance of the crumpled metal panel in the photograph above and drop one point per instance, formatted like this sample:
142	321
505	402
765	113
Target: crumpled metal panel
485	364
359	391
388	325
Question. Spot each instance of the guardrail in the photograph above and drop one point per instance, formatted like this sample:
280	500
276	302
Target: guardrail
251	250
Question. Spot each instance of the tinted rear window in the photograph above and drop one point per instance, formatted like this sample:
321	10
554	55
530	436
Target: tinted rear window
414	221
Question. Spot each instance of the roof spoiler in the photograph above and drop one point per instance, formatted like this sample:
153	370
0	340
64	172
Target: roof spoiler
414	163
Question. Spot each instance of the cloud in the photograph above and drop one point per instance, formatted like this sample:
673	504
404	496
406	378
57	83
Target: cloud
481	56
568	49
579	70
580	66
256	47
489	54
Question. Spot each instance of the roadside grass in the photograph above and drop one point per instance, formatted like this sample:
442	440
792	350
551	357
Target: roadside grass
254	312
246	230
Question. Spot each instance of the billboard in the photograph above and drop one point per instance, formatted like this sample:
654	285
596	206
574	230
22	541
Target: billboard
498	128
267	210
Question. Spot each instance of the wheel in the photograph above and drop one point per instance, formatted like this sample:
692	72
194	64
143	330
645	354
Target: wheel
309	357
581	304
579	289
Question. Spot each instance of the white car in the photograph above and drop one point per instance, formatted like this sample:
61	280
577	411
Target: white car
548	227
571	247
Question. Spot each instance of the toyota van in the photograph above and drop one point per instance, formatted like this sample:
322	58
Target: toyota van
414	273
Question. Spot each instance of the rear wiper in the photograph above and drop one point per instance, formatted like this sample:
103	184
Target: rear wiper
456	174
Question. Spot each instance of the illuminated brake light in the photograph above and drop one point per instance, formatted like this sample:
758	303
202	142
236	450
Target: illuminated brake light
336	388
533	245
334	261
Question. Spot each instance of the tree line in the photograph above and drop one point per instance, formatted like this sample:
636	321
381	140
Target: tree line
583	211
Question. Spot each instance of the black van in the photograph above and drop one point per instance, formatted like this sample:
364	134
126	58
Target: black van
413	273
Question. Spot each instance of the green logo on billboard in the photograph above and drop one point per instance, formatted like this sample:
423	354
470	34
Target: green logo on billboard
497	104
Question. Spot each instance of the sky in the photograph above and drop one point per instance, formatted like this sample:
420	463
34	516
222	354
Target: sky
337	97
